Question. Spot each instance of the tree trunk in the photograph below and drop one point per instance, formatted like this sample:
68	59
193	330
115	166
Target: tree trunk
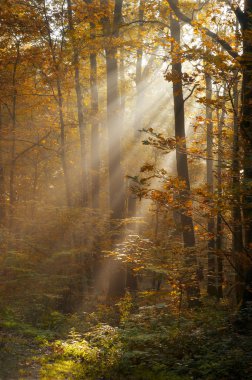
13	136
56	67
63	144
81	120
117	281
137	124
95	140
116	178
245	19
211	275
193	291
2	186
219	232
246	128
237	237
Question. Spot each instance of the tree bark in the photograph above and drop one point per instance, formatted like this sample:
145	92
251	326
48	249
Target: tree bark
79	97
13	135
59	97
193	291
137	123
95	138
211	257
2	185
219	224
116	178
63	144
237	237
246	129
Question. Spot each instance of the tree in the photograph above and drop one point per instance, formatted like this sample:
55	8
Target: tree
116	178
181	157
245	21
95	138
211	276
79	97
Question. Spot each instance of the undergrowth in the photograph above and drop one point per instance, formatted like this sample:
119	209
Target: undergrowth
151	343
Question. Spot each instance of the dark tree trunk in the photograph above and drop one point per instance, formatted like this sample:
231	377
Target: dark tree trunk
81	119
117	283
245	19
246	129
193	291
2	186
116	178
219	224
56	67
237	237
13	143
95	138
211	257
63	144
137	124
122	84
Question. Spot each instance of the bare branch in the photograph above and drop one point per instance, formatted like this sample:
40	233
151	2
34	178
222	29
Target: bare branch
208	32
191	92
31	147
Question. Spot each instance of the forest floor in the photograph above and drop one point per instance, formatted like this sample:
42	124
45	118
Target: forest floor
148	343
20	349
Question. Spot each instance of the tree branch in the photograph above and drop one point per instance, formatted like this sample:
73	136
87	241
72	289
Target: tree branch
237	11
31	147
181	16
191	92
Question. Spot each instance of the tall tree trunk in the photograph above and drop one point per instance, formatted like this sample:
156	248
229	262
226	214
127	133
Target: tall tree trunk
56	67
236	212
139	70
219	224
245	19
13	136
122	84
63	144
116	178
2	186
137	123
237	236
117	281
81	120
193	291
95	140
246	128
211	275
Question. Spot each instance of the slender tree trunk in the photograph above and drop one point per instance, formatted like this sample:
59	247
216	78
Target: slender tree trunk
193	291
236	211
56	68
117	281
2	186
95	140
81	119
122	84
211	276
219	224
13	135
116	178
63	144
137	124
139	70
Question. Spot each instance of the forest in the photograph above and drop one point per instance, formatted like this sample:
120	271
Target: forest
126	189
